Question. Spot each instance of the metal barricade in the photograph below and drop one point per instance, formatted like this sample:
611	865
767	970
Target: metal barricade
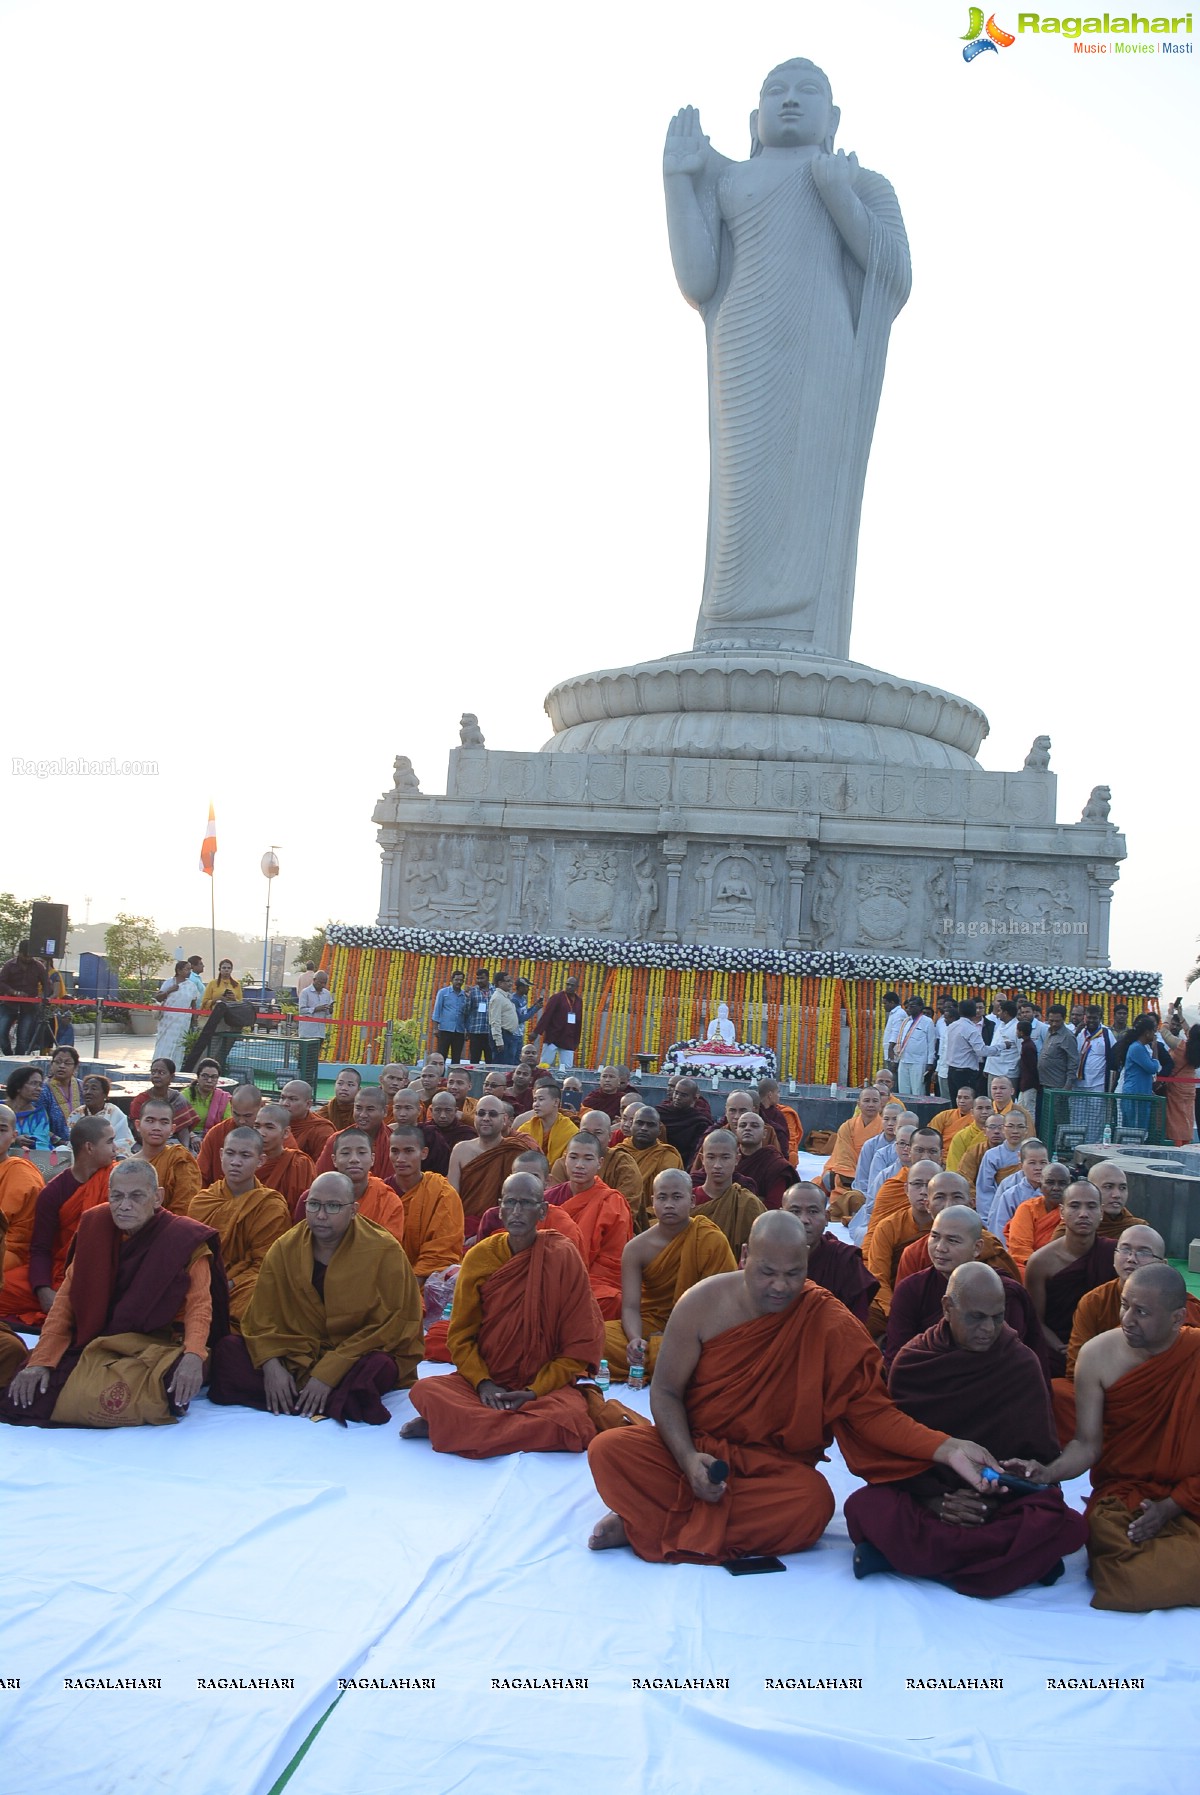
268	1061
1068	1120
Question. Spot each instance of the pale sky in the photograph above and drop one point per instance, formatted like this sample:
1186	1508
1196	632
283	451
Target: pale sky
346	386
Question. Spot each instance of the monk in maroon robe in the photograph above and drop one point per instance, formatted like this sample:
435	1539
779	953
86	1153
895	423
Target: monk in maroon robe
761	1161
970	1372
831	1263
954	1240
685	1119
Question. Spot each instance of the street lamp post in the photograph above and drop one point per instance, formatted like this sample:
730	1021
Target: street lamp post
270	867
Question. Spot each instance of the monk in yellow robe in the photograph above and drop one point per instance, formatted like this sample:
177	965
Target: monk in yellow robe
1137	1428
949	1122
286	1169
20	1183
972	1135
729	1468
334	1322
728	1205
523	1329
1003	1094
248	1216
434	1229
175	1168
619	1169
650	1151
545	1124
681	1247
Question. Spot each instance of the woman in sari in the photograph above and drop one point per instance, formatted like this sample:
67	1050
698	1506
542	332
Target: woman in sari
39	1119
96	1090
62	1080
209	1102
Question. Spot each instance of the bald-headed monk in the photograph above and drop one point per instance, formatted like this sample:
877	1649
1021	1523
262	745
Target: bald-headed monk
545	1123
1036	1220
968	1371
972	1136
445	1122
1025	1182
1003	1093
64	1201
618	1168
175	1168
676	1251
523	1329
947	1188
738	1103
335	1320
760	1162
339	1111
1059	1274
651	1152
247	1215
393	1077
884	1162
1115	1215
611	1087
1137	1427
479	1167
877	1160
728	1204
851	1137
309	1130
950	1122
20	1183
602	1217
430	1080
832	1264
369	1106
891	1237
139	1308
244	1106
703	1485
912	1144
954	1240
1000	1162
406	1109
433	1211
458	1083
285	1169
971	1162
780	1118
685	1118
353	1157
555	1220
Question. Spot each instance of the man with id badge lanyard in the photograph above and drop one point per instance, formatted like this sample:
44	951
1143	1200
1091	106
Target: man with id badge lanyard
560	1026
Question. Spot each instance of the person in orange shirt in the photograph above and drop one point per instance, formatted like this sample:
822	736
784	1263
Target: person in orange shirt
851	1137
309	1130
369	1106
244	1106
434	1225
949	1122
882	1258
676	1251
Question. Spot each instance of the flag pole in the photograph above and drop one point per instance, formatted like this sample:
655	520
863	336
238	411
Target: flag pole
212	899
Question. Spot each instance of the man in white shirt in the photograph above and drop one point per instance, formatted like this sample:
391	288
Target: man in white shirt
316	1002
1027	1013
915	1049
893	1022
964	1048
947	1012
1004	1050
1095	1052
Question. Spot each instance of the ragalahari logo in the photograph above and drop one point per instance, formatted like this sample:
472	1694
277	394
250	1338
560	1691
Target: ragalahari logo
974	40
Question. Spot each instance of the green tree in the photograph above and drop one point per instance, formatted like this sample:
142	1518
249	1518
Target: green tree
15	916
134	948
310	947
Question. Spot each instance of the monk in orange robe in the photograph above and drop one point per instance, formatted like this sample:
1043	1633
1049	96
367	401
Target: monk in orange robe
555	1221
618	1167
681	1247
949	1122
650	1151
458	1083
1036	1220
523	1329
851	1138
244	1106
309	1130
248	1216
1137	1427
285	1169
728	1205
339	1111
433	1212
1113	1186
602	1217
175	1168
882	1257
891	1198
704	1486
479	1167
946	1189
20	1183
64	1201
377	1202
334	1322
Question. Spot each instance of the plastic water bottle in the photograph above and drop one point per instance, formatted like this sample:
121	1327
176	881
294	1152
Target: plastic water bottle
603	1380
833	1089
1106	1137
637	1376
446	1312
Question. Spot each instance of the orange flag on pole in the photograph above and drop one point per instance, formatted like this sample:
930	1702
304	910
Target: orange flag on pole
208	847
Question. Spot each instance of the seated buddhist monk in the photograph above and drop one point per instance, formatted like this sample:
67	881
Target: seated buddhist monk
458	1083
954	1240
878	1159
285	1169
738	1103
851	1137
968	1372
602	1216
1115	1216
728	1204
310	1131
175	1168
545	1124
1137	1427
1003	1093
433	1211
140	1306
369	1106
1036	1220
891	1198
516	1085
479	1167
430	1080
971	1162
1059	1274
947	1188
972	1137
760	1162
406	1108
353	1157
244	1106
392	1078
631	1102
780	1118
832	1264
884	1165
247	1215
618	1167
523	1329
339	1111
556	1220
334	1322
891	1237
999	1163
685	1117
20	1183
446	1124
702	1485
949	1122
650	1151
1025	1182
606	1096
676	1251
63	1201
13	1350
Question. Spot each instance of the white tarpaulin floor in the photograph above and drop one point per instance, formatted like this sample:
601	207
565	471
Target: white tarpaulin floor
239	1545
